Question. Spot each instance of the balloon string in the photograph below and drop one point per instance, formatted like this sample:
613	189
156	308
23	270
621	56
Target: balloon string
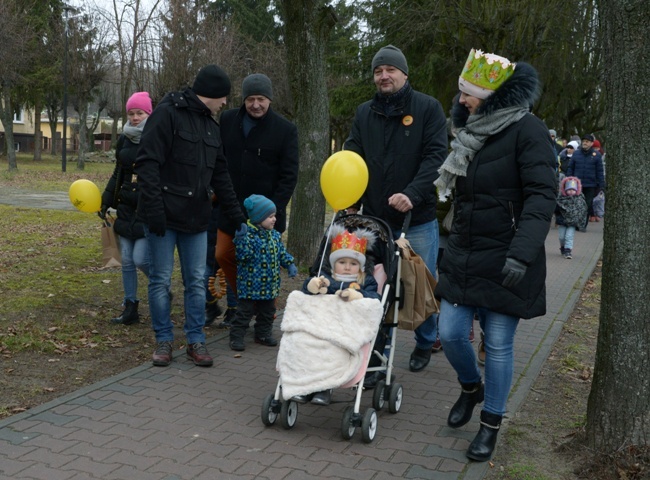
327	242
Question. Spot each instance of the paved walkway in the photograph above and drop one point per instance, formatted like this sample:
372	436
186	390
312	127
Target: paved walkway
186	422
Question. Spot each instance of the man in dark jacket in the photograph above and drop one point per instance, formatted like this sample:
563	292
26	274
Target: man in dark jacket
181	167
261	148
402	136
587	164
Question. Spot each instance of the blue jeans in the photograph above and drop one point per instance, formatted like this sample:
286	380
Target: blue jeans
191	253
135	256
499	330
566	236
424	240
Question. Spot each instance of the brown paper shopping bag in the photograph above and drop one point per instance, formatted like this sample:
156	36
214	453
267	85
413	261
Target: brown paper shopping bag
111	256
416	293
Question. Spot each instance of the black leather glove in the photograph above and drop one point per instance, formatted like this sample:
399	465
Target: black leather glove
514	270
157	225
102	212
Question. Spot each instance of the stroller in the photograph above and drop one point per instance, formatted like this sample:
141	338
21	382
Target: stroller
383	261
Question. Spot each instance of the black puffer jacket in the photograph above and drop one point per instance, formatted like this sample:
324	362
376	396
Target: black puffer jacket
265	162
121	191
180	165
403	152
503	208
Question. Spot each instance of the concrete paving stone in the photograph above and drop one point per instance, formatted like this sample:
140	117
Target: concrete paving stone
340	472
54	419
129	445
96	439
178	469
128	472
416	472
127	431
217	462
395	468
93	425
125	457
84	464
123	388
16	435
311	468
15	451
452	466
12	468
43	472
86	450
49	443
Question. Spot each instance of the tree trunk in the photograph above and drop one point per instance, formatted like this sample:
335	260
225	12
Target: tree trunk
618	411
7	117
38	134
83	136
307	27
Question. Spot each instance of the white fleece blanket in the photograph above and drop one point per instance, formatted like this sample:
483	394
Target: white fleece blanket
322	339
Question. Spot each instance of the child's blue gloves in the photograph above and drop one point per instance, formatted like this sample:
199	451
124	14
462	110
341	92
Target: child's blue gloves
241	231
292	270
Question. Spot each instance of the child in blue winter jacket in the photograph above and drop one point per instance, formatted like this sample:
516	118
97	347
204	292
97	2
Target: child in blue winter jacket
570	213
260	253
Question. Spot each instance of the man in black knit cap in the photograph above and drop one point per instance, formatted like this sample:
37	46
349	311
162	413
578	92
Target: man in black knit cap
180	168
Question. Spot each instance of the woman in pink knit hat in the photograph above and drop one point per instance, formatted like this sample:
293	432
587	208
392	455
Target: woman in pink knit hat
121	193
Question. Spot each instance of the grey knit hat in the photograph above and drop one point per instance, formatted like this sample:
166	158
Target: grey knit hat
211	82
257	84
390	55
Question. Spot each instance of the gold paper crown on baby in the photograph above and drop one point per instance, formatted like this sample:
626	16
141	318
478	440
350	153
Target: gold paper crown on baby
483	73
345	244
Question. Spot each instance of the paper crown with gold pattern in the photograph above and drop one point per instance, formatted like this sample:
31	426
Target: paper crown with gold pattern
350	245
484	73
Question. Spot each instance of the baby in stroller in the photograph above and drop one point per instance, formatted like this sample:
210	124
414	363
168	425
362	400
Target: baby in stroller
350	281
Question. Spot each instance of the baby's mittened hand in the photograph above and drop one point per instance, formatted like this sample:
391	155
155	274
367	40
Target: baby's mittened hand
314	285
350	294
323	284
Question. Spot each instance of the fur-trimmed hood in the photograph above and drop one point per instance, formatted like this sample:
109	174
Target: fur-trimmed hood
521	89
570	179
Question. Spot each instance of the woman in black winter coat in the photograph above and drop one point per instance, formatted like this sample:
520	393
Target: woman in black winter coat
121	193
501	168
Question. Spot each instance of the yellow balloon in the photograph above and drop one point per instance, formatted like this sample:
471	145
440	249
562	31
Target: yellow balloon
343	179
85	196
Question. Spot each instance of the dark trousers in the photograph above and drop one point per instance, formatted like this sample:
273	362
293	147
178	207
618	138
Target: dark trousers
589	193
264	311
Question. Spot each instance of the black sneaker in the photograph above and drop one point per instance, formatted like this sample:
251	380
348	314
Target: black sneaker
237	344
162	356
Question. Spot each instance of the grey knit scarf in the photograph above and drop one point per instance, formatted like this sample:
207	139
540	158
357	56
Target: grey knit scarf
134	133
469	140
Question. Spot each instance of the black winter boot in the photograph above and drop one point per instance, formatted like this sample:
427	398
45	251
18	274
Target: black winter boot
129	315
461	412
483	444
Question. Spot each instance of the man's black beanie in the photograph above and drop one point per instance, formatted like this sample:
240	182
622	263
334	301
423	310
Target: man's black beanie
211	82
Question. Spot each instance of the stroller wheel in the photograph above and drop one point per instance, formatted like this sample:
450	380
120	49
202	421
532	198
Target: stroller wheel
395	394
379	395
288	414
347	424
369	425
269	410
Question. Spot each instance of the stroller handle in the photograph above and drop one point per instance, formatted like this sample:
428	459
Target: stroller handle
406	224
